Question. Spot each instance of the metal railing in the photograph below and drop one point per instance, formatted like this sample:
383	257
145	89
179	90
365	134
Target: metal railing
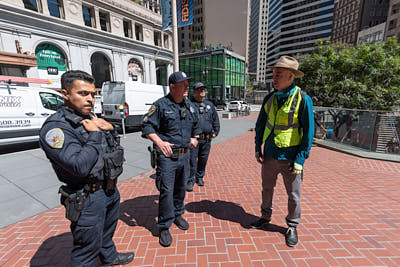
375	131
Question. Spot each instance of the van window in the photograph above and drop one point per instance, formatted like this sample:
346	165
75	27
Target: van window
51	101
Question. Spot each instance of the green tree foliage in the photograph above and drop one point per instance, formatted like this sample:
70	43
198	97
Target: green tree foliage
363	77
196	45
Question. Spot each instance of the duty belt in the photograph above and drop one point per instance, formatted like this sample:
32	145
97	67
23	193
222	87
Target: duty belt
205	136
179	151
106	185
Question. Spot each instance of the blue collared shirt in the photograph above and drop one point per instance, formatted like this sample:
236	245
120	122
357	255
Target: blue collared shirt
306	118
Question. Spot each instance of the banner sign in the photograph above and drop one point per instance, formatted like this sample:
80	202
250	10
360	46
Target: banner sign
166	15
50	56
184	10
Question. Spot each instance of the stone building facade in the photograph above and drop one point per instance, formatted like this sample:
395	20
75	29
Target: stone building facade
112	40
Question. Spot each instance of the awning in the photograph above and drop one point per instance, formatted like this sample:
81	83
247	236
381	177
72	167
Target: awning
9	58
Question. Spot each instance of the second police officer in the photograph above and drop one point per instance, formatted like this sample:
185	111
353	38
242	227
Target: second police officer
172	125
209	124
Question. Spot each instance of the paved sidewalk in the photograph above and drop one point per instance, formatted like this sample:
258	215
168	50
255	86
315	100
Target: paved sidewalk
351	216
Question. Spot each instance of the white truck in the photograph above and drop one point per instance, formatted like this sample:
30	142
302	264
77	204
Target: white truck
135	97
23	110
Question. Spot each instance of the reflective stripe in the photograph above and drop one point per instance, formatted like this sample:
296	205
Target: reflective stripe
287	127
269	126
293	107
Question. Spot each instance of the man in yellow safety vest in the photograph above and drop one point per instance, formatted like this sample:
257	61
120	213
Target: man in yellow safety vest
285	126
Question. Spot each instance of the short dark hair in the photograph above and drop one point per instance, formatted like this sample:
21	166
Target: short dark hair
70	76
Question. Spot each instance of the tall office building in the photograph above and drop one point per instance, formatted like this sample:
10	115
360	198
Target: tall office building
352	16
393	20
192	33
294	26
217	23
258	41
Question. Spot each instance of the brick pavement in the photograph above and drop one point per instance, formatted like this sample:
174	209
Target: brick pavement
351	216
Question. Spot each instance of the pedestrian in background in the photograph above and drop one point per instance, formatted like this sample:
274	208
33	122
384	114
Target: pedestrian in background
209	124
285	126
172	125
85	154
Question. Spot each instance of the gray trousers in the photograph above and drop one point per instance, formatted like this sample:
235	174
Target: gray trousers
269	172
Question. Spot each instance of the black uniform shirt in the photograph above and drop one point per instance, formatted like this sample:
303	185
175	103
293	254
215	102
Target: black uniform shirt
208	117
70	148
172	122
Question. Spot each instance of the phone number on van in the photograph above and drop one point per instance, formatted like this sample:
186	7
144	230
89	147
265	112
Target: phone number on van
15	123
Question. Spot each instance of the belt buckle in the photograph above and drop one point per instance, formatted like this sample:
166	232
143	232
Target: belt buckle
202	136
181	151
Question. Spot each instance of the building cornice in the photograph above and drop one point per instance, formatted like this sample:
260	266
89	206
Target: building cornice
26	22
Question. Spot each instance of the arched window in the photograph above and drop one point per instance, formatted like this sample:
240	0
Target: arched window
135	70
101	69
51	63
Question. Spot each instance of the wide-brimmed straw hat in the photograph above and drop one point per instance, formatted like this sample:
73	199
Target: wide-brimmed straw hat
289	63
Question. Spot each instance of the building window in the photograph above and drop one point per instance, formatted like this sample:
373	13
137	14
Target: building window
33	5
128	28
88	16
392	24
139	32
157	38
56	8
104	21
395	9
166	41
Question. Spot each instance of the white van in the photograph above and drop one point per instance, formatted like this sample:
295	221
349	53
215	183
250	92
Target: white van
135	97
23	110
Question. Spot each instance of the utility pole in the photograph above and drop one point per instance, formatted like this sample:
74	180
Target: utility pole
175	35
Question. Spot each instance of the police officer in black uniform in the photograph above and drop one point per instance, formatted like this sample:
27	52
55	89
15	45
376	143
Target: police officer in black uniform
172	124
209	124
85	154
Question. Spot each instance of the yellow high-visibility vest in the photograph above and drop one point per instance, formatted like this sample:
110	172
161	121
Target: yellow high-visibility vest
284	121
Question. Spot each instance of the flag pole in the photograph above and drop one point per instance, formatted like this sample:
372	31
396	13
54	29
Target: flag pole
175	35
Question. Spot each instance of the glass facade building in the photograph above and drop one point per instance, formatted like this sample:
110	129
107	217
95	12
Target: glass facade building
223	72
294	26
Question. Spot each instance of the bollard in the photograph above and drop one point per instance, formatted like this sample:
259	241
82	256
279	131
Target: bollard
122	113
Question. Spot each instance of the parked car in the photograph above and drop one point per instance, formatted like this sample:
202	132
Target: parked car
234	106
239	105
23	110
244	107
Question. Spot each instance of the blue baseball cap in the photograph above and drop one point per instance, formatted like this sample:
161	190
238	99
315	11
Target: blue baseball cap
198	85
178	77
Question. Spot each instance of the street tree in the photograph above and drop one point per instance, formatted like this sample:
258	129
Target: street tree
366	76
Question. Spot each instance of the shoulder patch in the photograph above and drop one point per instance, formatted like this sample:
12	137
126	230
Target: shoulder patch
55	138
151	110
208	107
191	109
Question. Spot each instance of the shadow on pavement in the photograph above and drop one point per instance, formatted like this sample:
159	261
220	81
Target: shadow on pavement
6	149
230	211
223	210
140	211
55	251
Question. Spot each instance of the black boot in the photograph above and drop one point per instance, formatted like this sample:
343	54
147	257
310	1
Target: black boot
181	223
200	182
291	237
121	259
189	187
165	238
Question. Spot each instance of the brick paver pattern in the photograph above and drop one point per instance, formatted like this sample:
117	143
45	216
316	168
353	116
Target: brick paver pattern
350	217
